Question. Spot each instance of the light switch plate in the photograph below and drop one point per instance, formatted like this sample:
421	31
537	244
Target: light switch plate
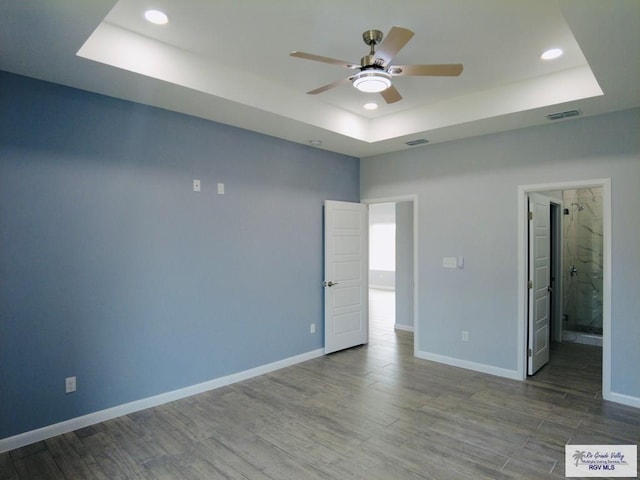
196	185
449	262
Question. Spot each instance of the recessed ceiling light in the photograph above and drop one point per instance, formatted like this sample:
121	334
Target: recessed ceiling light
157	17
315	143
370	106
551	54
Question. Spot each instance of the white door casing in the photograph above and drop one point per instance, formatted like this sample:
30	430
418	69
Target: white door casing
346	275
523	266
539	281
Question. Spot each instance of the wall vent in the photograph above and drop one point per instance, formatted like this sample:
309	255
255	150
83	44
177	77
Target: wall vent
567	114
420	141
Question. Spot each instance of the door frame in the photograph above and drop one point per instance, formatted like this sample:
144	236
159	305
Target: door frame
557	237
414	200
523	191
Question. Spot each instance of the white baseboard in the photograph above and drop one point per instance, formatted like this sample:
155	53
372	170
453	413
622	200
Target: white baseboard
49	431
476	367
512	374
406	328
624	399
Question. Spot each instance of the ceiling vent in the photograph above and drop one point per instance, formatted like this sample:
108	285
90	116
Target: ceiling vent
567	114
420	141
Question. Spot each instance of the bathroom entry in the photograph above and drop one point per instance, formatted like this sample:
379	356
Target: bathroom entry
565	252
582	266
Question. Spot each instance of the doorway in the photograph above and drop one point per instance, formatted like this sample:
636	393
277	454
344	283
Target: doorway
582	266
560	195
392	263
382	267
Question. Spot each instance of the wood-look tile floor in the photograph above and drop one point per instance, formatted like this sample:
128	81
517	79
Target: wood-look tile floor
371	412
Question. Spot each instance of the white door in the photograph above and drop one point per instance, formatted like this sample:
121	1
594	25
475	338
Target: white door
346	275
539	280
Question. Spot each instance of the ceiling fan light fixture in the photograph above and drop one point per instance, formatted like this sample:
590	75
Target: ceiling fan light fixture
372	81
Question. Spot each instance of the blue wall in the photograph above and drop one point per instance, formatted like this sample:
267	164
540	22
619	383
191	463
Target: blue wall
115	271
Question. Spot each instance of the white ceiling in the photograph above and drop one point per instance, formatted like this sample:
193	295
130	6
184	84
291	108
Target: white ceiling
228	61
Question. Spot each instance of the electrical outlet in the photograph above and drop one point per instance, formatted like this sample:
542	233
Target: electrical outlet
313	328
465	336
69	384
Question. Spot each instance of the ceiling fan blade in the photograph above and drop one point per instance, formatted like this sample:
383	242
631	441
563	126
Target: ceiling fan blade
443	70
329	86
391	44
391	95
319	58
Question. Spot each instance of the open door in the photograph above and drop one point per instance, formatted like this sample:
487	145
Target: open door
539	281
346	275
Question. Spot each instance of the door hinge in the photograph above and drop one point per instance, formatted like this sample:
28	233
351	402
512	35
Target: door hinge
530	215
529	352
530	284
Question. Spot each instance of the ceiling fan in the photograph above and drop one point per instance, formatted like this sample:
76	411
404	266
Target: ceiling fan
376	71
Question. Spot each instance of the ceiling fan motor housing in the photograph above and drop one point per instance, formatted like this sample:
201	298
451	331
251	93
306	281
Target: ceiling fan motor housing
372	37
371	62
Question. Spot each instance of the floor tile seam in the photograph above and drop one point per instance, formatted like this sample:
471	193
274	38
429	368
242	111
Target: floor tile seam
627	436
294	459
242	455
534	464
495	430
482	447
449	464
505	464
500	415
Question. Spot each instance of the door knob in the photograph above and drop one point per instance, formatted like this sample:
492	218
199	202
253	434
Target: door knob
330	283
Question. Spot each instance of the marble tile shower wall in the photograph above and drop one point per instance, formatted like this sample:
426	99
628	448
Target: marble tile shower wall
582	265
